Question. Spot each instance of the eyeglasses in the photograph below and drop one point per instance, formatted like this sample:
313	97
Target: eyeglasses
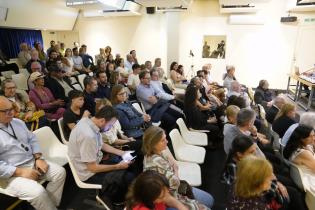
121	94
7	111
10	88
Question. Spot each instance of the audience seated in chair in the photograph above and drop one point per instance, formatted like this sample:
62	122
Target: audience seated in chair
74	112
58	83
130	119
68	63
197	119
300	150
78	62
90	88
178	79
251	184
85	151
133	78
150	190
284	119
236	90
229	77
272	111
307	118
23	166
24	55
35	66
24	109
263	95
34	57
103	88
129	63
158	109
44	99
156	158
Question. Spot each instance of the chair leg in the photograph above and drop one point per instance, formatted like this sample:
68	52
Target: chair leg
98	199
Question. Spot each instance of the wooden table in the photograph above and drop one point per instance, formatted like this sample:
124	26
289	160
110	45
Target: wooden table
298	89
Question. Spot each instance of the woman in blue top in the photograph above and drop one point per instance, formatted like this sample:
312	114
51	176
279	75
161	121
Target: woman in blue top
130	119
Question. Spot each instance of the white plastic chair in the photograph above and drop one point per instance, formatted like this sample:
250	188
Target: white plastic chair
8	74
186	152
25	72
190	172
77	86
192	137
81	78
52	149
297	176
20	81
83	185
142	111
61	131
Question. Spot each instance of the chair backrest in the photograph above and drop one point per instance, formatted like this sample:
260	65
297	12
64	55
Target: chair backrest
77	86
20	81
61	131
137	107
177	140
81	78
297	176
52	149
25	72
182	126
7	74
77	179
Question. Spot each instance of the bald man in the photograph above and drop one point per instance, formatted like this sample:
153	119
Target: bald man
22	164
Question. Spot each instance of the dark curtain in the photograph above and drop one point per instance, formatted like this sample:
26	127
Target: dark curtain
10	40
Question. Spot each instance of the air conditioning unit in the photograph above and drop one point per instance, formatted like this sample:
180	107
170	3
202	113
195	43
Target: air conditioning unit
130	9
164	3
302	6
246	20
240	6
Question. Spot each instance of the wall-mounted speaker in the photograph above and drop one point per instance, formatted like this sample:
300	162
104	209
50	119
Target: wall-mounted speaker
150	10
288	19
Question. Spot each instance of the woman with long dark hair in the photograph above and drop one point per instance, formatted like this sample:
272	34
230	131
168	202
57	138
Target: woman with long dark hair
197	119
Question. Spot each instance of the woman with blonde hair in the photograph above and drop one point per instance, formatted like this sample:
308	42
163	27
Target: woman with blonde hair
284	119
253	178
158	158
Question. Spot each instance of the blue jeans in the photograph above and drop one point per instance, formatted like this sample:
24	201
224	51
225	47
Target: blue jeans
203	197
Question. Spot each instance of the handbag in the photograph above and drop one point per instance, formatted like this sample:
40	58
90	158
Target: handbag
185	189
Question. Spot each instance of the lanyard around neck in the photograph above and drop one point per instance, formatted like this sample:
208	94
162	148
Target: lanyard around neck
12	135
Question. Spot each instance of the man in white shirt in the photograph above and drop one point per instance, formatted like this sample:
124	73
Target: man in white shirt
78	62
22	165
133	78
129	62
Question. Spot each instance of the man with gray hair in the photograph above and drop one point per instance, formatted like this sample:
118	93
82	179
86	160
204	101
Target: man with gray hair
271	113
244	125
307	118
235	89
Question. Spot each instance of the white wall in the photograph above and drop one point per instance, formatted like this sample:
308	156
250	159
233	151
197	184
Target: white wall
67	37
146	34
39	14
258	51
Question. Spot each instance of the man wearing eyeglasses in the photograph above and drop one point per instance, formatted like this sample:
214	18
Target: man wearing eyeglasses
22	164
